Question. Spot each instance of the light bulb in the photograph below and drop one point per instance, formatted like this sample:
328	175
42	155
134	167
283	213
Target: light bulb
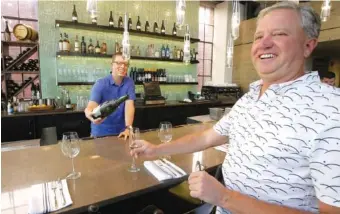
186	48
180	13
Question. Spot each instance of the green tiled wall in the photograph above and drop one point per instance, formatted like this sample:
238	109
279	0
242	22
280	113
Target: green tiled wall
77	68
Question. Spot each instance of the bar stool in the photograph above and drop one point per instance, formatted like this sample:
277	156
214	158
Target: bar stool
48	136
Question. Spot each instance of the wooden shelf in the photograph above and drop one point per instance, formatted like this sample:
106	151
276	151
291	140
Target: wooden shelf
19	43
21	72
91	83
101	28
132	57
24	57
24	86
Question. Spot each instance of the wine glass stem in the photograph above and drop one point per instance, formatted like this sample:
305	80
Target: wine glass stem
73	166
133	164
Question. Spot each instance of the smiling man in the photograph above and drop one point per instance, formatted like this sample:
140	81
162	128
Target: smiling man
284	134
108	88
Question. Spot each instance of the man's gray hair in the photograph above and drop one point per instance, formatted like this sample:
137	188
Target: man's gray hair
310	20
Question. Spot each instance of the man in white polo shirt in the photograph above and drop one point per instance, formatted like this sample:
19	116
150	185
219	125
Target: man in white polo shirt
284	134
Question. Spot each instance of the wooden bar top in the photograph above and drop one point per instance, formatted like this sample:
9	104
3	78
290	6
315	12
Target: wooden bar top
103	164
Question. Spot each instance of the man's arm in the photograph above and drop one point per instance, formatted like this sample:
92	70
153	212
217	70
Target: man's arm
129	112
88	112
207	188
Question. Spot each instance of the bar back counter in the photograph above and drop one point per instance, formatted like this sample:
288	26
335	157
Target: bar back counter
26	126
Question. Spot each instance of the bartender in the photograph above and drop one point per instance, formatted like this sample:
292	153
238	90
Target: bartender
108	88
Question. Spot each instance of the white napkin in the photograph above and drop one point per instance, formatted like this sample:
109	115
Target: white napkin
43	197
164	170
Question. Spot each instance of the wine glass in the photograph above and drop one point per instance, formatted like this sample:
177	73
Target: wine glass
165	133
70	148
133	136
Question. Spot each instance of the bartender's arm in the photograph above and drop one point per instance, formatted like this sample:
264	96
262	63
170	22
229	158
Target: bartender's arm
88	112
129	116
96	96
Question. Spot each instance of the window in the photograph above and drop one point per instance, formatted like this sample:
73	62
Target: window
205	46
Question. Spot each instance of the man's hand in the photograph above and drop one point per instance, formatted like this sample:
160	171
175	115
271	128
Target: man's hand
95	121
146	149
124	134
207	188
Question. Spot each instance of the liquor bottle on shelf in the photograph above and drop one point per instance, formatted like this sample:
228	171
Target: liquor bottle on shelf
33	92
60	43
178	54
65	43
68	101
90	48
108	107
181	54
7	33
163	52
74	14
167	52
163	28
138	26
83	46
155	27
97	48
120	22
103	49
138	51
147	26
94	20
130	24
157	53
38	91
76	45
111	21
174	53
174	30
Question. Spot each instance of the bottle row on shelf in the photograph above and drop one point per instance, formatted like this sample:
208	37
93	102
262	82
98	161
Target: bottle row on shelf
162	52
120	23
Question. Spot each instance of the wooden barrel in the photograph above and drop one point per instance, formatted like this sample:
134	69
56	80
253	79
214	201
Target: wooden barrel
25	32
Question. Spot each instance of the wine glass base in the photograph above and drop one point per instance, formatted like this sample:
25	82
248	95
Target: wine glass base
73	175
134	169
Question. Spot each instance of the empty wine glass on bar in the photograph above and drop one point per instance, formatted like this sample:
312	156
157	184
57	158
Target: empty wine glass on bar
165	133
70	148
134	135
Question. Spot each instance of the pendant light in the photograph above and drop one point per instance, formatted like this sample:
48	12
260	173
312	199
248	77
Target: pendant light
235	20
91	7
186	48
325	10
126	39
180	13
230	51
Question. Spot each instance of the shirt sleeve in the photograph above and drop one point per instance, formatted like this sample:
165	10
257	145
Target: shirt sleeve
222	126
325	163
131	90
96	92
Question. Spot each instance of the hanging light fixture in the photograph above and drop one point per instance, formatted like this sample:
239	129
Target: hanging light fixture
180	13
325	10
91	7
230	51
126	40
235	20
186	48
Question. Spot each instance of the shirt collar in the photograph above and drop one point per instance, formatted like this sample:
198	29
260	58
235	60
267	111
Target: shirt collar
307	78
112	82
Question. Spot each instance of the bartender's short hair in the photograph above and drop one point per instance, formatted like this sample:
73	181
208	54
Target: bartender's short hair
328	75
115	55
310	20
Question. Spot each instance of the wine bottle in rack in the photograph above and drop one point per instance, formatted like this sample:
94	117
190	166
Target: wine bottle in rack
138	26
111	21
162	28
74	14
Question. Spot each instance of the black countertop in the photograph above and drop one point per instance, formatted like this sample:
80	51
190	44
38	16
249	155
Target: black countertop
171	103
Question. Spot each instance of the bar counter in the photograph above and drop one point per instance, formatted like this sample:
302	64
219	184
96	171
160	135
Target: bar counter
103	164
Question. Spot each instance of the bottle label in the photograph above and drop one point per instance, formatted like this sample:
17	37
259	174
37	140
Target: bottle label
138	27
111	23
74	18
76	46
60	46
68	106
94	20
175	33
97	50
65	46
163	31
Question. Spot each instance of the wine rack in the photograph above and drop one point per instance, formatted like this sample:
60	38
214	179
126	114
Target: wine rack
91	83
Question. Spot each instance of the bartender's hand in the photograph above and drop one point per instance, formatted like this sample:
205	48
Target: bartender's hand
146	149
207	188
95	121
124	134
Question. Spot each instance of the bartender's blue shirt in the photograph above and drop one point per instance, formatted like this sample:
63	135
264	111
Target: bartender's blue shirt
106	89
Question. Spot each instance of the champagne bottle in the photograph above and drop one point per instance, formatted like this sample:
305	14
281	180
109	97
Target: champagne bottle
111	22
174	30
108	107
76	45
74	14
163	28
97	49
120	22
83	46
147	26
138	26
7	33
130	24
155	27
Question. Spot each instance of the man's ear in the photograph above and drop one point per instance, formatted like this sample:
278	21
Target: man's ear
309	47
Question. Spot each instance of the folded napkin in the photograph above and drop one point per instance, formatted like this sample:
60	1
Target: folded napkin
49	197
164	169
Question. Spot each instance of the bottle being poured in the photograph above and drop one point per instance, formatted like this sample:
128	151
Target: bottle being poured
108	107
